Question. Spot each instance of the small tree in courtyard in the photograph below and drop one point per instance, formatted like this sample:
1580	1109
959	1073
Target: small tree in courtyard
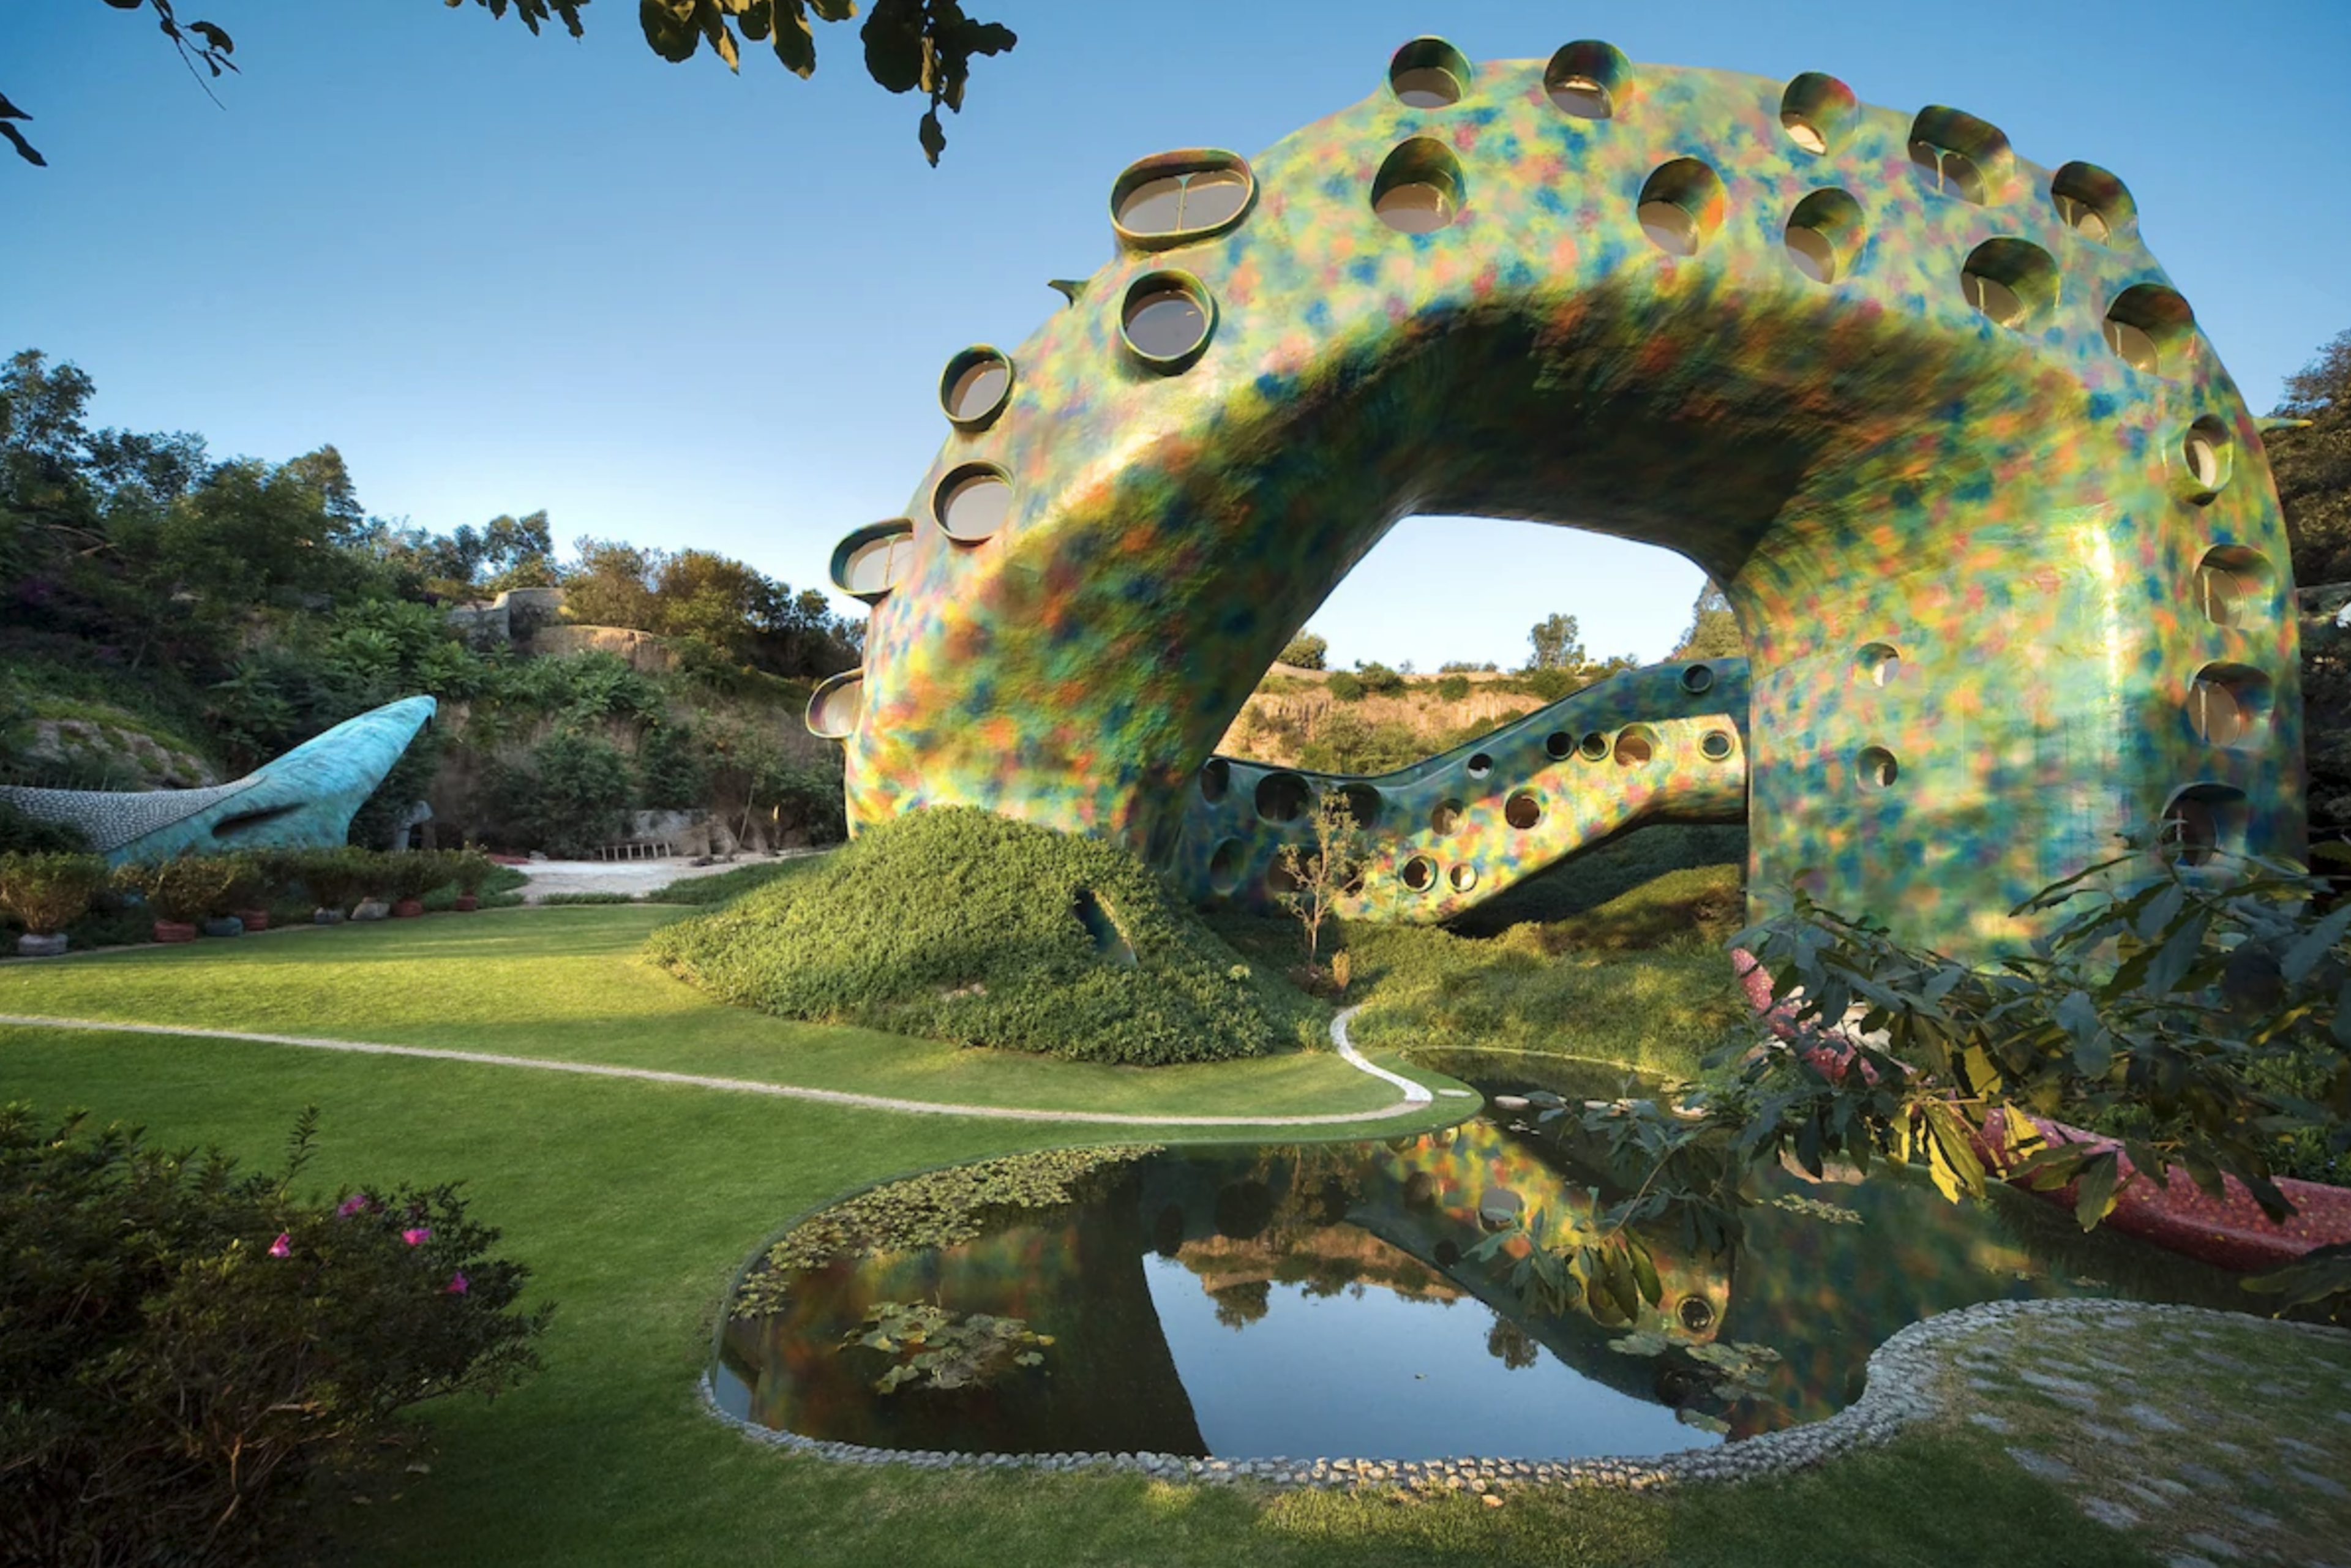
1323	870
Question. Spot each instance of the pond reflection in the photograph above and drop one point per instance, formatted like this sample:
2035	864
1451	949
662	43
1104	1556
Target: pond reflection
1334	1300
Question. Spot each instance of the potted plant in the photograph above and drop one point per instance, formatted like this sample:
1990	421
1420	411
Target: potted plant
470	868
274	871
180	891
408	875
242	887
49	893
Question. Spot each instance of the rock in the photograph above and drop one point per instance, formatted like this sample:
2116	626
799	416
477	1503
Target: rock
2110	1513
50	946
2041	1465
1989	1422
373	909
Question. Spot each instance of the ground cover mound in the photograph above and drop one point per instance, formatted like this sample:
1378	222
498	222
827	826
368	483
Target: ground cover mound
954	924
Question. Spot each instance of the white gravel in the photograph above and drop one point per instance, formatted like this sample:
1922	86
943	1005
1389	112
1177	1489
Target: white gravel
631	877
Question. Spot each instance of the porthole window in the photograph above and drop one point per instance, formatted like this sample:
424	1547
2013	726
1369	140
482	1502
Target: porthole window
1824	235
1681	206
1595	746
836	707
870	562
1585	78
2228	705
1559	744
1481	765
1364	804
977	385
1419	189
973	502
1419	873
2233	585
1215	779
1178	198
1464	877
2150	327
1444	818
1279	879
2013	281
1816	111
1875	769
1522	810
2207	457
1282	798
2092	203
1961	155
1635	744
1429	73
1698	679
1715	745
1225	866
1167	320
2200	823
1877	663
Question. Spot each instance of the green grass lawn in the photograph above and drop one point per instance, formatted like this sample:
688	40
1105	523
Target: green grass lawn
636	1202
567	984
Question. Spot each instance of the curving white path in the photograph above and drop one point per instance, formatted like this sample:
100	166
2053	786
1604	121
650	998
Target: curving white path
1413	1094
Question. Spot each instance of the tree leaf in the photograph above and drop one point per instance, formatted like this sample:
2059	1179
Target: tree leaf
23	147
2094	1197
893	45
933	136
214	36
794	44
2305	953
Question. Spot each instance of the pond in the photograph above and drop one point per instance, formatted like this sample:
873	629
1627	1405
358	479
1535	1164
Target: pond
1333	1300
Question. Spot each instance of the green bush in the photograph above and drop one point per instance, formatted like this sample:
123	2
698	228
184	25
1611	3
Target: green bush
186	888
412	873
340	878
956	925
1306	651
706	891
21	834
1346	687
470	869
47	893
569	796
1452	689
1379	680
179	1344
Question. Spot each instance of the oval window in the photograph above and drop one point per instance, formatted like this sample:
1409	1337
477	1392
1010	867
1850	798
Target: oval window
1167	320
1175	198
976	386
1419	189
869	563
835	708
973	502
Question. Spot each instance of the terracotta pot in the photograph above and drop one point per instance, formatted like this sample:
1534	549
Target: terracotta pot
466	904
174	931
408	909
254	919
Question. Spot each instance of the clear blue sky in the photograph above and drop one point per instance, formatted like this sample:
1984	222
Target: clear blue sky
503	273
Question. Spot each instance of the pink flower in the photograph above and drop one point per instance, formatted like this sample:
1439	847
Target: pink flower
284	1246
417	1237
358	1203
457	1284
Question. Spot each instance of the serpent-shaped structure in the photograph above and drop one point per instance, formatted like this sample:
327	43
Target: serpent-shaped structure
1996	524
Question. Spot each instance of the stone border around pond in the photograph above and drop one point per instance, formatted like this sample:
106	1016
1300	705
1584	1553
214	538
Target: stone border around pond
1899	1393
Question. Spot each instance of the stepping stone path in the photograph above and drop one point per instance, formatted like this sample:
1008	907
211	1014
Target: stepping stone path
2213	1441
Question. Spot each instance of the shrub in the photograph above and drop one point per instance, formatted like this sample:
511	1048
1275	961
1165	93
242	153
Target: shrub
570	795
186	887
1379	680
179	1345
412	873
49	892
958	924
21	834
469	868
1305	651
340	878
1346	687
1452	689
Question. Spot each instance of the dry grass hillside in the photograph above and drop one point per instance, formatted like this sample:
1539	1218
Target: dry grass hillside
1294	719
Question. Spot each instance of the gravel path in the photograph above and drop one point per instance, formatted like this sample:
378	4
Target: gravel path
634	878
1414	1094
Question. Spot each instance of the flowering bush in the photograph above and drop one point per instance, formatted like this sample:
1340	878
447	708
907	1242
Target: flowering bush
180	1343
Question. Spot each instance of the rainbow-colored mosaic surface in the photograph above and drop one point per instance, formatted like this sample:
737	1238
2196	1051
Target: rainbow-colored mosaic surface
1996	523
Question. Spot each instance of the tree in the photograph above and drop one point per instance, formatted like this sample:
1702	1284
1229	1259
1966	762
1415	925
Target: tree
1325	869
1713	631
923	46
1557	643
1306	651
2312	465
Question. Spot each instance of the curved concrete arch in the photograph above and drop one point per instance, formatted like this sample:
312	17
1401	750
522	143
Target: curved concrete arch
1971	446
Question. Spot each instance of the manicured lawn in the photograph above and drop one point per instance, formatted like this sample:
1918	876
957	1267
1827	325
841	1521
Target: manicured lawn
567	984
636	1202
